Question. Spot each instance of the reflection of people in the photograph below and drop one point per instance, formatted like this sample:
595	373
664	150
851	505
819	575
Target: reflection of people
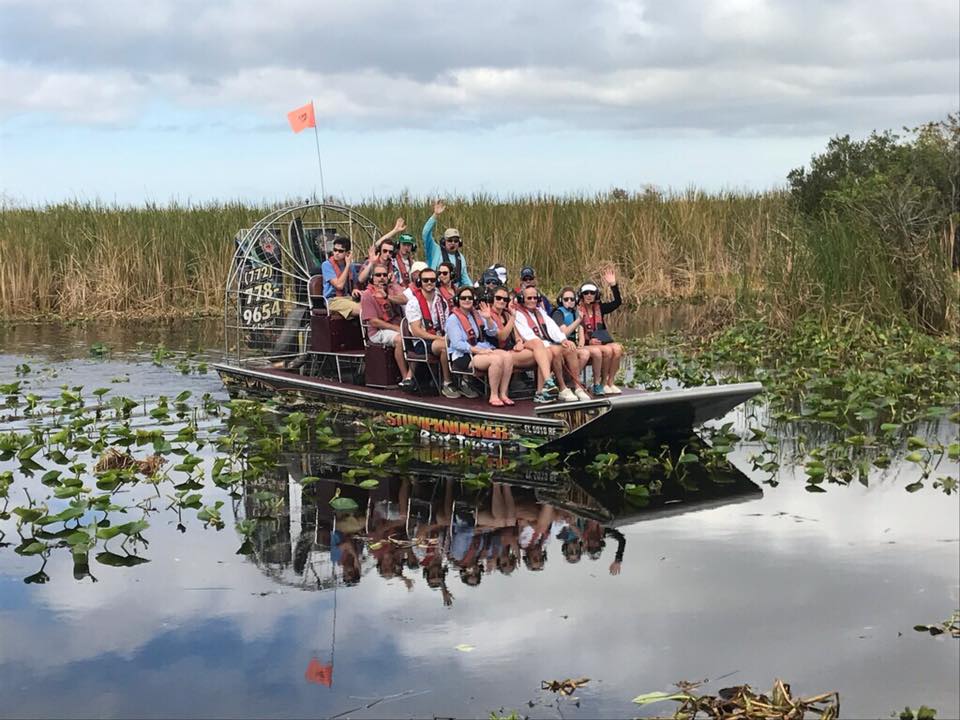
593	542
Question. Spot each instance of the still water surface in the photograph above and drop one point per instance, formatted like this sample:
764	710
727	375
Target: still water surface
734	581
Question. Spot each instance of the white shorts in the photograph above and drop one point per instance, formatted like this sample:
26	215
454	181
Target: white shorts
384	337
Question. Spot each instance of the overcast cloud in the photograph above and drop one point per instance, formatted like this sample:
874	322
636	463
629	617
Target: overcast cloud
745	66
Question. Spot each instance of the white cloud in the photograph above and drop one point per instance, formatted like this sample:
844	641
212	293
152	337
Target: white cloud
734	67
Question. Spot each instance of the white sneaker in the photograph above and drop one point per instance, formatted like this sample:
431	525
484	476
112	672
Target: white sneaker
566	395
611	390
582	394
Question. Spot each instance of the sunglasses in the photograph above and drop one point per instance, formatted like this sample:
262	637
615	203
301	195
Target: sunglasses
466	297
530	297
501	298
428	280
443	272
456	238
568	299
589	292
339	250
385	250
380	274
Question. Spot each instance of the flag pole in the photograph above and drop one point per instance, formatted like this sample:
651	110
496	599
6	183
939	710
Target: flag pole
316	137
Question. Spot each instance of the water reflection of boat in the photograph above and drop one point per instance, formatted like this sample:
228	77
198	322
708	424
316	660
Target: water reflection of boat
429	520
280	340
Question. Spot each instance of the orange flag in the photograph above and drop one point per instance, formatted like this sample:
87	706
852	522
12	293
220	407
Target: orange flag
319	673
301	118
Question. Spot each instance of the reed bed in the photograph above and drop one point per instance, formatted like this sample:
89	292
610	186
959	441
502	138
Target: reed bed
82	260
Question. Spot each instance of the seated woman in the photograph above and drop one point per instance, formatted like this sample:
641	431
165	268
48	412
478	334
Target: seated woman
502	316
593	313
567	317
445	284
469	343
539	332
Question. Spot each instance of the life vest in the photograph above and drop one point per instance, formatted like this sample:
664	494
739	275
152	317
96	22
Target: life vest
458	265
384	306
537	327
568	318
400	270
428	324
592	318
446	293
465	324
347	286
507	342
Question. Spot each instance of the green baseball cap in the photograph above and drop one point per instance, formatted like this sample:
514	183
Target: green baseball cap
405	239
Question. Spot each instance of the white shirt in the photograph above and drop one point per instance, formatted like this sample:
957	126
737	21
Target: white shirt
553	330
414	314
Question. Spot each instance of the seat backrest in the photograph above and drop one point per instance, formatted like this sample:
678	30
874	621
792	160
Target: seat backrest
315	291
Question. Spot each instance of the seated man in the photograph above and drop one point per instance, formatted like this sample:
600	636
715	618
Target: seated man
551	348
382	253
528	278
383	319
404	260
489	282
415	270
426	312
341	281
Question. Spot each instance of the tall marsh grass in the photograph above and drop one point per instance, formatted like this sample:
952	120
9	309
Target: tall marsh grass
92	260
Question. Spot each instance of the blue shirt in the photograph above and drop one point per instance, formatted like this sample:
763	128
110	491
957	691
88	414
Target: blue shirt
457	339
329	273
435	254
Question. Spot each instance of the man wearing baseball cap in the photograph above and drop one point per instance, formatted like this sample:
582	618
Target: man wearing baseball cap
448	250
528	278
403	260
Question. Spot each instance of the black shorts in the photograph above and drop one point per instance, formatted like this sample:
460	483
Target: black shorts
462	363
416	346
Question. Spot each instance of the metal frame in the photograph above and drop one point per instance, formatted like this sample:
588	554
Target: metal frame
285	332
427	358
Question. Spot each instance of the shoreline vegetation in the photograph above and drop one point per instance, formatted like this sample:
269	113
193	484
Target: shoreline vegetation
867	230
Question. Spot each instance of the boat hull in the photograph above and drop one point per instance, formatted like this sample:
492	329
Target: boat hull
463	421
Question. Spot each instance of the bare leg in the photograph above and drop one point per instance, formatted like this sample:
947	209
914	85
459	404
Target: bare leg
439	348
615	361
543	357
556	364
507	374
401	361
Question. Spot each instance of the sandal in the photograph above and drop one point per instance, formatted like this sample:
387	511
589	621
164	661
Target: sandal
496	402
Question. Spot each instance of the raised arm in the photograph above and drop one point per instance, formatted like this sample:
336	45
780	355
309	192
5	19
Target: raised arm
609	307
398	227
430	248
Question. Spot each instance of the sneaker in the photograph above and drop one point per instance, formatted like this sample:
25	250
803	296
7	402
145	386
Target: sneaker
611	390
541	398
449	391
407	384
550	385
598	390
582	394
466	389
567	395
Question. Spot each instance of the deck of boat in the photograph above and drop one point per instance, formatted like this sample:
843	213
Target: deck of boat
525	408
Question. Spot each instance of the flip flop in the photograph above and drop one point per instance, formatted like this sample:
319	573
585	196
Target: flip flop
496	402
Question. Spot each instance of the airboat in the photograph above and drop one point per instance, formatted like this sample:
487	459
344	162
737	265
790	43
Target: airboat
281	341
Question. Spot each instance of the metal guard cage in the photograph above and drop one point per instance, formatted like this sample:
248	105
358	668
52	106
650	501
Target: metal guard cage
266	306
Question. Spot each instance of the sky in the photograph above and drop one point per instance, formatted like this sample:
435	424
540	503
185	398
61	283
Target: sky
174	100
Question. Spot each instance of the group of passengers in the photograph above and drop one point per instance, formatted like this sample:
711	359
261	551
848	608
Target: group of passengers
474	327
